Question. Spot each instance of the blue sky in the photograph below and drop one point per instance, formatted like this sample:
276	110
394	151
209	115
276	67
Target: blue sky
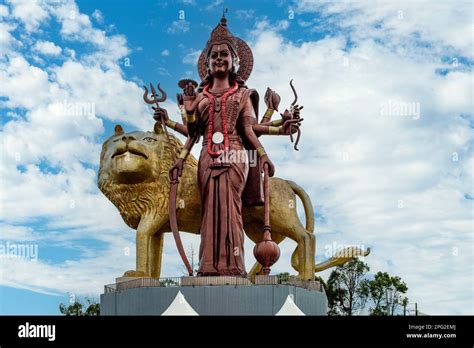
399	183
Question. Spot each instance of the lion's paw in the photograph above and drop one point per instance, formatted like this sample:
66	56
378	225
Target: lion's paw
134	274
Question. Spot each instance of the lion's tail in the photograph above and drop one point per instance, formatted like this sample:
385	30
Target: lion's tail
308	206
341	257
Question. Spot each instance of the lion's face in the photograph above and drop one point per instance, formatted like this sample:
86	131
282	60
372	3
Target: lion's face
131	158
134	172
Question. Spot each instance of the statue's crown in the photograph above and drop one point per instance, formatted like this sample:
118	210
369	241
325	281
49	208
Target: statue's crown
221	35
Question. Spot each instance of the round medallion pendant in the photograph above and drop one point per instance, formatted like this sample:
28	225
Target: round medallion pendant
217	138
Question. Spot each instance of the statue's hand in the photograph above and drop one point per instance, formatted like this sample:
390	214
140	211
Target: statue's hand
189	98
160	114
291	126
286	116
179	99
295	111
272	99
264	160
178	166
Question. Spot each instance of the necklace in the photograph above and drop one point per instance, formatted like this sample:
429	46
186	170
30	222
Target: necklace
210	128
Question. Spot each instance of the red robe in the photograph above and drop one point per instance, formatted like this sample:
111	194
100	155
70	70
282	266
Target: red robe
224	186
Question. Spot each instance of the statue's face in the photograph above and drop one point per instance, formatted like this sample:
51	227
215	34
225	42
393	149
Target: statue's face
220	60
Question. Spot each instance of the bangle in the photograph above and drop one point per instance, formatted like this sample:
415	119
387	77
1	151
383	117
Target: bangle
277	122
273	130
171	124
187	117
190	118
183	154
269	113
261	151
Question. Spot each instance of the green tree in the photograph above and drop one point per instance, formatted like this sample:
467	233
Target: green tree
168	282
405	304
386	294
321	280
347	289
283	277
79	309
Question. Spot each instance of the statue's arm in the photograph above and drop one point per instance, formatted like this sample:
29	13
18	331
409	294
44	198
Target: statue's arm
188	145
286	125
272	100
179	164
162	114
180	128
285	129
248	121
269	122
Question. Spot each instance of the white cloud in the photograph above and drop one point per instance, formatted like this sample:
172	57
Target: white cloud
359	166
98	16
47	48
17	233
81	277
396	23
215	4
191	57
245	14
163	71
264	24
50	147
165	53
77	26
4	11
178	27
18	79
6	38
30	12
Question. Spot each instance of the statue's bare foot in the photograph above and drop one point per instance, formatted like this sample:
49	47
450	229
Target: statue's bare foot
134	274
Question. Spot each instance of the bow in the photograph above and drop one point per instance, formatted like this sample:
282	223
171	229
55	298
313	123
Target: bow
174	220
174	176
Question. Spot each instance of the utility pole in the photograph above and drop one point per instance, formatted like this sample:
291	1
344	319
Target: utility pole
192	258
416	309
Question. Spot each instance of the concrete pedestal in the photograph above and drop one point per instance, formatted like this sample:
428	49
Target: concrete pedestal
242	299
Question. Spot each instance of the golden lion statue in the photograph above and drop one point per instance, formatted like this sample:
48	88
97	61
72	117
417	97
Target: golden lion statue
133	174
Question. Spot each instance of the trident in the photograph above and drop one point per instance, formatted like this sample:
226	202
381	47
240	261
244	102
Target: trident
155	100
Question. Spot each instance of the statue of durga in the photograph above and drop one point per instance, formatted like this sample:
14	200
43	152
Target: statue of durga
223	111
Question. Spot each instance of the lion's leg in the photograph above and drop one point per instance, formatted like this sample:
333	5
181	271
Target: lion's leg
309	270
295	260
303	258
146	230
142	253
156	253
142	247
